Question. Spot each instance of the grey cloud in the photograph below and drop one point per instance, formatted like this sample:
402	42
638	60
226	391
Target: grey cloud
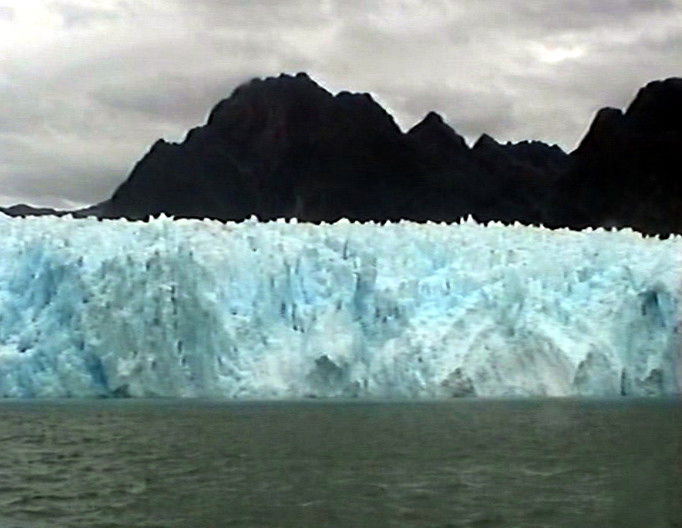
255	15
77	16
41	175
540	16
165	99
64	187
469	112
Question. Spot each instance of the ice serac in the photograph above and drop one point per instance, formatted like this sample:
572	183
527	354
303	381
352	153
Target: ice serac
193	308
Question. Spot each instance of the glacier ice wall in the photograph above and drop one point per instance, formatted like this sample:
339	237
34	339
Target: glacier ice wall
285	310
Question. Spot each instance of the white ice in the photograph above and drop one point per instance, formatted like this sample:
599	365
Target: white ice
290	310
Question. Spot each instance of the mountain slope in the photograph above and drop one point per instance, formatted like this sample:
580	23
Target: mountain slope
285	147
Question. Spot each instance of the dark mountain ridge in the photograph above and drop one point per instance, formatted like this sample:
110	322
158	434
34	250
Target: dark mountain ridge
627	171
286	147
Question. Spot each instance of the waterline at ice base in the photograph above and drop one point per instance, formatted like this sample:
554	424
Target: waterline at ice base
188	308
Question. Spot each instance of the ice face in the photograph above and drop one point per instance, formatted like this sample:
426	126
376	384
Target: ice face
285	310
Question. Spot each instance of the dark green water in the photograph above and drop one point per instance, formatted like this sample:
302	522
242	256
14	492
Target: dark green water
475	463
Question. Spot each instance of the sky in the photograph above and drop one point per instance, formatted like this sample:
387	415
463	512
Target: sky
87	86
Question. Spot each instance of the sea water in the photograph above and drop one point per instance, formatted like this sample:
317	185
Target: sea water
460	463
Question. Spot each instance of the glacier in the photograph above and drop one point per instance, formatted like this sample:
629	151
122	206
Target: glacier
251	310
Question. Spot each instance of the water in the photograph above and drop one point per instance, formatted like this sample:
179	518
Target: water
465	463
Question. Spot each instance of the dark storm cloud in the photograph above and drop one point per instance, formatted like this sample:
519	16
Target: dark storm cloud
87	86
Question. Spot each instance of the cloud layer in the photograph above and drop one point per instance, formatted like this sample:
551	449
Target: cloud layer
86	86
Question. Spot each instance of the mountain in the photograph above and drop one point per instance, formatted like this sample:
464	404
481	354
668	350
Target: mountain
27	210
285	147
280	147
627	171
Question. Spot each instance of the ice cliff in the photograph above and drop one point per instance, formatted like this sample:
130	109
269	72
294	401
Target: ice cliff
284	310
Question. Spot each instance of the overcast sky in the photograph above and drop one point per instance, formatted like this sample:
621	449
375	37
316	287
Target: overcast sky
86	86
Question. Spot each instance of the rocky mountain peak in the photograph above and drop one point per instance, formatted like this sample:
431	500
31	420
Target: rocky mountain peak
433	129
658	105
286	147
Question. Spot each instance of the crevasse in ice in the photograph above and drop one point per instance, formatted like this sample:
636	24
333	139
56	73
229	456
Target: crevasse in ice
286	310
